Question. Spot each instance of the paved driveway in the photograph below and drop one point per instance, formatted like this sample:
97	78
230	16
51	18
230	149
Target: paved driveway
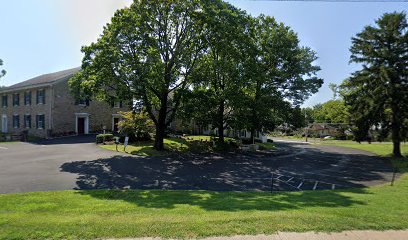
26	167
76	163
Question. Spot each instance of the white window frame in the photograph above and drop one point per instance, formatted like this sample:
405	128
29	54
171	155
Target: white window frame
25	121
42	98
36	122
16	115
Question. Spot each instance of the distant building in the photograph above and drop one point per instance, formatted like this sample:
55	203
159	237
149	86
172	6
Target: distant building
44	107
321	129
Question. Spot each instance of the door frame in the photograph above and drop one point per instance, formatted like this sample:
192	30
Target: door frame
86	122
4	117
119	116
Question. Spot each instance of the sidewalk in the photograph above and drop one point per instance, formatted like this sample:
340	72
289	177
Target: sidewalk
347	235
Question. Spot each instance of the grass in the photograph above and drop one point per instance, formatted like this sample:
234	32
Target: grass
267	145
191	214
198	144
383	149
146	148
195	214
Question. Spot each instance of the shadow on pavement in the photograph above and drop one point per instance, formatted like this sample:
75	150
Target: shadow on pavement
90	138
232	172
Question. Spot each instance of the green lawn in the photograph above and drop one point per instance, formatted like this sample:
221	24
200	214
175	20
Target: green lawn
186	214
191	214
382	149
197	144
146	148
267	145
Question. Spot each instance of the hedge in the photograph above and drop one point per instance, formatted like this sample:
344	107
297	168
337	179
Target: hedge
104	138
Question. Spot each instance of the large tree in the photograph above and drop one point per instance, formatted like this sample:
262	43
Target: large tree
279	71
332	111
146	53
218	81
378	93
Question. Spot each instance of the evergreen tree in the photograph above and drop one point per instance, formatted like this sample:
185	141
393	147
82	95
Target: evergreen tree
378	93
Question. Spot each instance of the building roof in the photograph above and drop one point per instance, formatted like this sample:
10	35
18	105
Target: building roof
320	126
46	79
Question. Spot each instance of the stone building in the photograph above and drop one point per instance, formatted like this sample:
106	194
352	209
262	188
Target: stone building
44	107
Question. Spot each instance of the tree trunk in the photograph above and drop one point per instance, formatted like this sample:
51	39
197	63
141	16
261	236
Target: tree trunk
221	121
396	140
396	128
161	125
254	119
253	131
159	140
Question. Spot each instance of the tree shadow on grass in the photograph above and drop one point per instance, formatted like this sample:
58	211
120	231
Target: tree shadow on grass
231	201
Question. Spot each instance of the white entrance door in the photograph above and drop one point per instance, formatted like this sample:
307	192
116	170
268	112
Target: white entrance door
4	124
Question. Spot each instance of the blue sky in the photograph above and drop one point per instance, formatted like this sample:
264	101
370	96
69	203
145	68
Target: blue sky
43	36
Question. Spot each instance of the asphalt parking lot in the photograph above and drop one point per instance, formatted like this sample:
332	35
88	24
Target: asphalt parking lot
77	163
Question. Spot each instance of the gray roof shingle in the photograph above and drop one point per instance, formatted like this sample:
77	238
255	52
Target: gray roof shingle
49	78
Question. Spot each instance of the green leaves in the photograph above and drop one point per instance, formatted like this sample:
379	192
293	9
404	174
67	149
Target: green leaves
378	94
217	62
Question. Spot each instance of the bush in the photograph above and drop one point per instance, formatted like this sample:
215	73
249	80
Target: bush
137	126
349	137
142	137
104	137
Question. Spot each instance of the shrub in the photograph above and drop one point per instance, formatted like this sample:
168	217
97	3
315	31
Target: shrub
133	138
137	126
104	137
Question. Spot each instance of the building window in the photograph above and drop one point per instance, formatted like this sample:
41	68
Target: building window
40	121
27	98
41	96
243	133
16	121
27	121
82	102
16	99
4	102
117	104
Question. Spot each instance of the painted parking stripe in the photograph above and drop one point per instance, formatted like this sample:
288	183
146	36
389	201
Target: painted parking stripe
290	179
300	185
3	148
315	186
333	186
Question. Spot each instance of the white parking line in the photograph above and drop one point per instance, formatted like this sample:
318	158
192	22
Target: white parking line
300	185
290	179
333	186
315	186
3	148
